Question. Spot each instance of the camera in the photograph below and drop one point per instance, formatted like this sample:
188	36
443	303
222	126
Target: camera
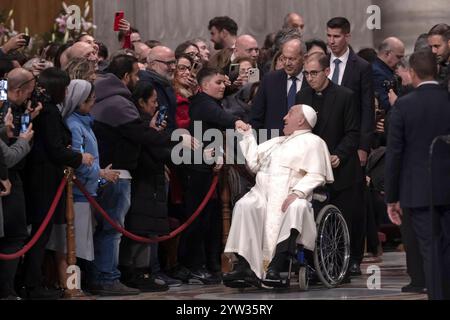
39	96
393	84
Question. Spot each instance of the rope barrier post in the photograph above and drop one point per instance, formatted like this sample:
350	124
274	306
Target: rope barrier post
226	215
71	257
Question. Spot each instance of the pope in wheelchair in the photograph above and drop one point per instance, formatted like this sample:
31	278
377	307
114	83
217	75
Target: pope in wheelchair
276	215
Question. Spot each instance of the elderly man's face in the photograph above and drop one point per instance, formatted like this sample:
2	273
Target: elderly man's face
293	120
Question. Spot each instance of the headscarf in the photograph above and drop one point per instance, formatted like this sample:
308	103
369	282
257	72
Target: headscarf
78	92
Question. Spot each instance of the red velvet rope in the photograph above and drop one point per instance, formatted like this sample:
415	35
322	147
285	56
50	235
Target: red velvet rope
149	240
41	229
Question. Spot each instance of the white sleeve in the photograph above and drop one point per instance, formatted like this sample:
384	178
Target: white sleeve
249	149
308	183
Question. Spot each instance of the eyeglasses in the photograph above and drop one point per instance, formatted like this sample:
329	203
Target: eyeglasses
167	63
183	68
193	54
313	74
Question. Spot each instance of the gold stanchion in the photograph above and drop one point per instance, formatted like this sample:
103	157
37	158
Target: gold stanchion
72	290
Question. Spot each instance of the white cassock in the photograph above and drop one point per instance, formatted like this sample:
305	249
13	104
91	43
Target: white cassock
299	162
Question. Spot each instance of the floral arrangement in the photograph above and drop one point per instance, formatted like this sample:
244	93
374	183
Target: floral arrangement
6	27
61	33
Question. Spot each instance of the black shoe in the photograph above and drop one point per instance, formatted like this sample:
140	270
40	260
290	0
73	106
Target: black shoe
355	269
203	276
115	288
180	273
414	289
41	293
146	283
171	282
273	274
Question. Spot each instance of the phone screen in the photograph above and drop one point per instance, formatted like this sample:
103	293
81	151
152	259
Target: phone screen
162	115
24	122
3	90
119	16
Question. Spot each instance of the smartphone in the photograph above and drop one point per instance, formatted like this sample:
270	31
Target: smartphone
27	39
3	90
119	16
234	69
253	75
162	116
24	122
196	67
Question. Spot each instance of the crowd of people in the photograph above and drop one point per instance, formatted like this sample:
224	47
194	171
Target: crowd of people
110	117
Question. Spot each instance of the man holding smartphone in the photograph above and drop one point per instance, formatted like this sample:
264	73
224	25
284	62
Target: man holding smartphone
21	84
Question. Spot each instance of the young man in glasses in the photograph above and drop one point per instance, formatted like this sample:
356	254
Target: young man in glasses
338	124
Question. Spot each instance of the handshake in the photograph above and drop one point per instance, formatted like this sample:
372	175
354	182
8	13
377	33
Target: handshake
242	127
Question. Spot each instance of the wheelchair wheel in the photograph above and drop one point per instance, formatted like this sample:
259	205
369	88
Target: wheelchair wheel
303	279
332	252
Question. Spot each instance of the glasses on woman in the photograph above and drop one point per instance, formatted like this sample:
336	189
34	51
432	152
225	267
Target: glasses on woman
183	68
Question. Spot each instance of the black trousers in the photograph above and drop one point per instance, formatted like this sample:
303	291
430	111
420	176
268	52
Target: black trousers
434	247
200	244
414	261
15	228
350	202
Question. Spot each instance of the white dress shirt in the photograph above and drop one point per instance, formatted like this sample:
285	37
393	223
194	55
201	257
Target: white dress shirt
342	65
299	82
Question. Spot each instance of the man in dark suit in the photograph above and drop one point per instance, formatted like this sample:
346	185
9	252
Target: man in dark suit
416	119
277	92
338	124
352	72
390	53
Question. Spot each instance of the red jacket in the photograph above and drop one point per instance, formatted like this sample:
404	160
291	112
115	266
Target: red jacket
182	118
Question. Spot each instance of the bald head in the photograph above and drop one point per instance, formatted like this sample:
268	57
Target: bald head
391	51
246	47
21	84
294	21
18	76
82	50
161	60
142	51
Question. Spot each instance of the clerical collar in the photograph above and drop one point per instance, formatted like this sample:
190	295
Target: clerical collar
324	91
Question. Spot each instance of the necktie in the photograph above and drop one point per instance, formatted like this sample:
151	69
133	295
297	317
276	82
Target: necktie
335	78
292	92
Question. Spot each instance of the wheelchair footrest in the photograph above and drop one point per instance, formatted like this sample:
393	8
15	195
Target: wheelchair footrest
283	283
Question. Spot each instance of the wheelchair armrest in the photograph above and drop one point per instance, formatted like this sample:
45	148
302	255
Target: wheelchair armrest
320	197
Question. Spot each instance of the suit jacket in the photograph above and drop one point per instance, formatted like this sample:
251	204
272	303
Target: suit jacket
358	78
416	119
270	104
338	125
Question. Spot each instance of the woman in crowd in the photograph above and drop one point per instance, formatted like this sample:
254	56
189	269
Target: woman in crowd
185	86
190	49
148	211
50	155
77	106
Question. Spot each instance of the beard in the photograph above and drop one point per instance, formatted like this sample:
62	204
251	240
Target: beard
218	46
131	86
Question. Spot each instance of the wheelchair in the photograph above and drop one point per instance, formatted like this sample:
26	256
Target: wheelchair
329	261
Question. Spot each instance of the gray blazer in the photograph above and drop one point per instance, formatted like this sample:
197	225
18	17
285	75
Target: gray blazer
13	155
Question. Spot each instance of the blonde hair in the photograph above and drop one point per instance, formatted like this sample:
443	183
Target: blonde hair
80	68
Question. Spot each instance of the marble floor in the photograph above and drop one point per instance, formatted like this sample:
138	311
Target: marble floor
393	277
